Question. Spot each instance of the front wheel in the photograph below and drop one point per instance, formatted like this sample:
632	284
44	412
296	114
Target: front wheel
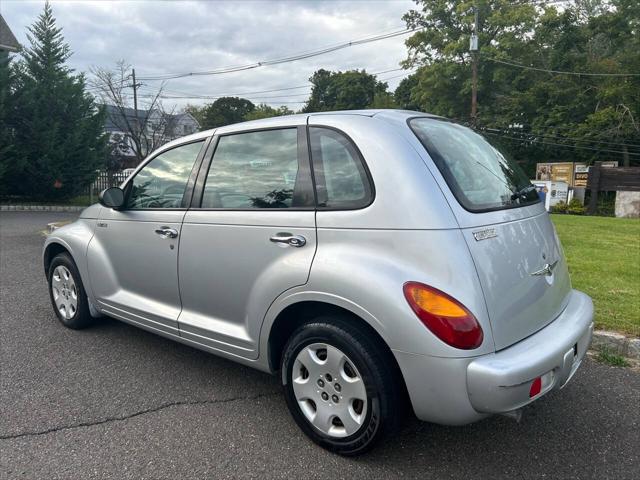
67	294
339	385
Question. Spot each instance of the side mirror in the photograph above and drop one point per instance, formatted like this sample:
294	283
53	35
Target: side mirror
112	197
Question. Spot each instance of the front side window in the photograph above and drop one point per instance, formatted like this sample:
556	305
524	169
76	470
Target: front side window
254	170
341	179
480	176
163	181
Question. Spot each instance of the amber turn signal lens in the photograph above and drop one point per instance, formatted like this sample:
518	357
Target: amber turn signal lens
437	304
447	318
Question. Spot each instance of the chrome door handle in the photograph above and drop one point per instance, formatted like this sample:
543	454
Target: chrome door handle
287	238
167	232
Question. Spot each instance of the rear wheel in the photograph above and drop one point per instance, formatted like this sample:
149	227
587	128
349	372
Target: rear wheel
339	385
67	293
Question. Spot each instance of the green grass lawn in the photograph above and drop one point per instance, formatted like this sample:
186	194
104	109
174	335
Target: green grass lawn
604	261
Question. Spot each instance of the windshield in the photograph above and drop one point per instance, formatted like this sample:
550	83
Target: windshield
479	175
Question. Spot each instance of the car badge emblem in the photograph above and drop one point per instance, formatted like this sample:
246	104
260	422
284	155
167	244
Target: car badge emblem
484	234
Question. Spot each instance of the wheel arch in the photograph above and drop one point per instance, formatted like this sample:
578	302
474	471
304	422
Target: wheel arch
52	249
297	313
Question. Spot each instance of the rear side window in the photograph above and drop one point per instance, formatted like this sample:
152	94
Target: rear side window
341	178
255	170
480	176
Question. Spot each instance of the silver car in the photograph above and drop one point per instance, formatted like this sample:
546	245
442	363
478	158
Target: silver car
378	261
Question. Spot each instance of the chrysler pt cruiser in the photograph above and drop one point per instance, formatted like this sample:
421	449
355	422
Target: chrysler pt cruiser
377	261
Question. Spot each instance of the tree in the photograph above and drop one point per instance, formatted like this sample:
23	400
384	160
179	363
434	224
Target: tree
7	80
196	112
441	49
353	89
144	129
265	111
403	92
538	114
58	142
117	152
225	111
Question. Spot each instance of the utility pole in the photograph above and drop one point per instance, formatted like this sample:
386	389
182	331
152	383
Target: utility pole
473	47
135	98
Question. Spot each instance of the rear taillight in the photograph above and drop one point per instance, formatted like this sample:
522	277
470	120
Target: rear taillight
447	318
536	387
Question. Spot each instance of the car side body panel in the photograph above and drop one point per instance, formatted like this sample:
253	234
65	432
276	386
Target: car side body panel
370	267
233	284
226	294
132	270
75	238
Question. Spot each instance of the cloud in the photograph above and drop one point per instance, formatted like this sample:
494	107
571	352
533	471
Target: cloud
159	37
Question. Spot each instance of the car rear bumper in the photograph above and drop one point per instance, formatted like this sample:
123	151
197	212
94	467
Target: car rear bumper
456	391
500	382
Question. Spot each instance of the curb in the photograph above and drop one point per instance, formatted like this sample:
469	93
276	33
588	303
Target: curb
41	208
617	343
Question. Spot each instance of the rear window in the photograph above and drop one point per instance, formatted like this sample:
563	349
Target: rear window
480	176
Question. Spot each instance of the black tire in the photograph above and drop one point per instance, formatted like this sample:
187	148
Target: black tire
81	318
384	390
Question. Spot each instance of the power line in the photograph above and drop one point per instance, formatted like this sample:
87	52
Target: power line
249	95
570	139
208	97
183	94
577	147
302	56
244	93
548	2
552	128
397	76
561	72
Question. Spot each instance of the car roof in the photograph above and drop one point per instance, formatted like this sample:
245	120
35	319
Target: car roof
298	119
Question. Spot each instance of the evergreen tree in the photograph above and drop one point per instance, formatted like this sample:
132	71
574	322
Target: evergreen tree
59	144
6	108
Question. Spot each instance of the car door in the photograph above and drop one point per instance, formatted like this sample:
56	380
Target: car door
133	256
250	237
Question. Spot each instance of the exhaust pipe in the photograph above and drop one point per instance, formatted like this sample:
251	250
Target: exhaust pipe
514	415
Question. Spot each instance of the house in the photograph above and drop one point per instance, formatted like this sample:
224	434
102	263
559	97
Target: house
181	124
155	129
8	42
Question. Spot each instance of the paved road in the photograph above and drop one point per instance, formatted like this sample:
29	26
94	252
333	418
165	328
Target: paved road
116	402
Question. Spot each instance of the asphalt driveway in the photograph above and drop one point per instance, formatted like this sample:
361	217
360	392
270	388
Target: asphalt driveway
117	402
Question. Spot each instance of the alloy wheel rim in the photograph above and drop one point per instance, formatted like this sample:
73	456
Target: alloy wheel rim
329	390
65	292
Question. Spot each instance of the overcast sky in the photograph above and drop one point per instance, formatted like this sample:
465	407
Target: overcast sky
159	37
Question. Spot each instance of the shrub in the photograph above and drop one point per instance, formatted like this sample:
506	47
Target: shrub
560	207
575	207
